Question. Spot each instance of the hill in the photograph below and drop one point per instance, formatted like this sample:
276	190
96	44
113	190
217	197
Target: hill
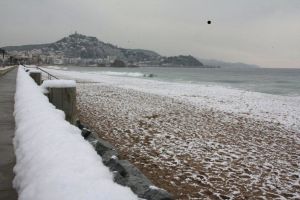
223	64
85	49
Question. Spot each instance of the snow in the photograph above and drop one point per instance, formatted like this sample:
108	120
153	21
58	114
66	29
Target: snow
29	66
5	68
53	161
34	70
209	139
153	187
283	110
188	147
130	74
58	84
56	67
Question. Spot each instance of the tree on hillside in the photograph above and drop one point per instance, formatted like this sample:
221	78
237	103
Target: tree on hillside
118	63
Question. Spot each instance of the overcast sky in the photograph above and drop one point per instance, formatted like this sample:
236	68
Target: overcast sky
263	32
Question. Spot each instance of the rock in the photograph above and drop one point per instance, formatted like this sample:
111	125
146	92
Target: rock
149	75
115	165
85	133
124	172
102	146
109	157
224	197
128	175
158	194
118	178
92	140
79	125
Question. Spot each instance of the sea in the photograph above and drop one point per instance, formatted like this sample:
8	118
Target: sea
279	81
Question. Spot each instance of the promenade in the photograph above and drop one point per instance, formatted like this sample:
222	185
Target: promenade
7	128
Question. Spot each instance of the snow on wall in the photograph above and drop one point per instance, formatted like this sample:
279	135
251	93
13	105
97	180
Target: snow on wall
34	70
53	161
5	68
58	84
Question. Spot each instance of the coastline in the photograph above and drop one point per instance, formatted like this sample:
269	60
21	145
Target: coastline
193	152
197	141
283	110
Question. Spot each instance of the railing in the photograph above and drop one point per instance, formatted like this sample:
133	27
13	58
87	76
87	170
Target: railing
50	76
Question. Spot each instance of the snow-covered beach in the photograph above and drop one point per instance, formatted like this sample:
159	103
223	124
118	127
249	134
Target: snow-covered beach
197	141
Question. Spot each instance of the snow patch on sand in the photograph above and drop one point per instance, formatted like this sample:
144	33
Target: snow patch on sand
283	110
194	152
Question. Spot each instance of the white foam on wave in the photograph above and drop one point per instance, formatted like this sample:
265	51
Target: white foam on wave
284	110
56	67
128	74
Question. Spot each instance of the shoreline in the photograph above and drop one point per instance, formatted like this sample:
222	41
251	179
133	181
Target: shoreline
283	110
188	150
197	141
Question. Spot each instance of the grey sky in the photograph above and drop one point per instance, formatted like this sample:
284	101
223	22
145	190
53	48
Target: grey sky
264	32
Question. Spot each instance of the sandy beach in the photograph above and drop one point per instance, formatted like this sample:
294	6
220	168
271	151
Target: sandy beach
150	100
197	142
192	152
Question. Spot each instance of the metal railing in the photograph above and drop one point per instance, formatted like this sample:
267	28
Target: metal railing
49	76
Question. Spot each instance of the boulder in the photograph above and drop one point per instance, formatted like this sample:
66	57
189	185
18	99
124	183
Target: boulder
102	146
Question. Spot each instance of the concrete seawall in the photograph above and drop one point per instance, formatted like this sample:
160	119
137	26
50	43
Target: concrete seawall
126	174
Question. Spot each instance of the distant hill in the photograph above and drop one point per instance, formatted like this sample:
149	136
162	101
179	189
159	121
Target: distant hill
222	64
181	60
86	47
25	47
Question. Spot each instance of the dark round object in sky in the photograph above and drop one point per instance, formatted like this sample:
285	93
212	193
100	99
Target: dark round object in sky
208	22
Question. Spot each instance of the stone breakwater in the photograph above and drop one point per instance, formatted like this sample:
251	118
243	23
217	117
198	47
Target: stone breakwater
193	152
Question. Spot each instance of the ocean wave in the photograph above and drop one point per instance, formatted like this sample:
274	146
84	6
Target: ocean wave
130	74
56	67
267	107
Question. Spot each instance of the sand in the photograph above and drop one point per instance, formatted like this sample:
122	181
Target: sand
192	151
